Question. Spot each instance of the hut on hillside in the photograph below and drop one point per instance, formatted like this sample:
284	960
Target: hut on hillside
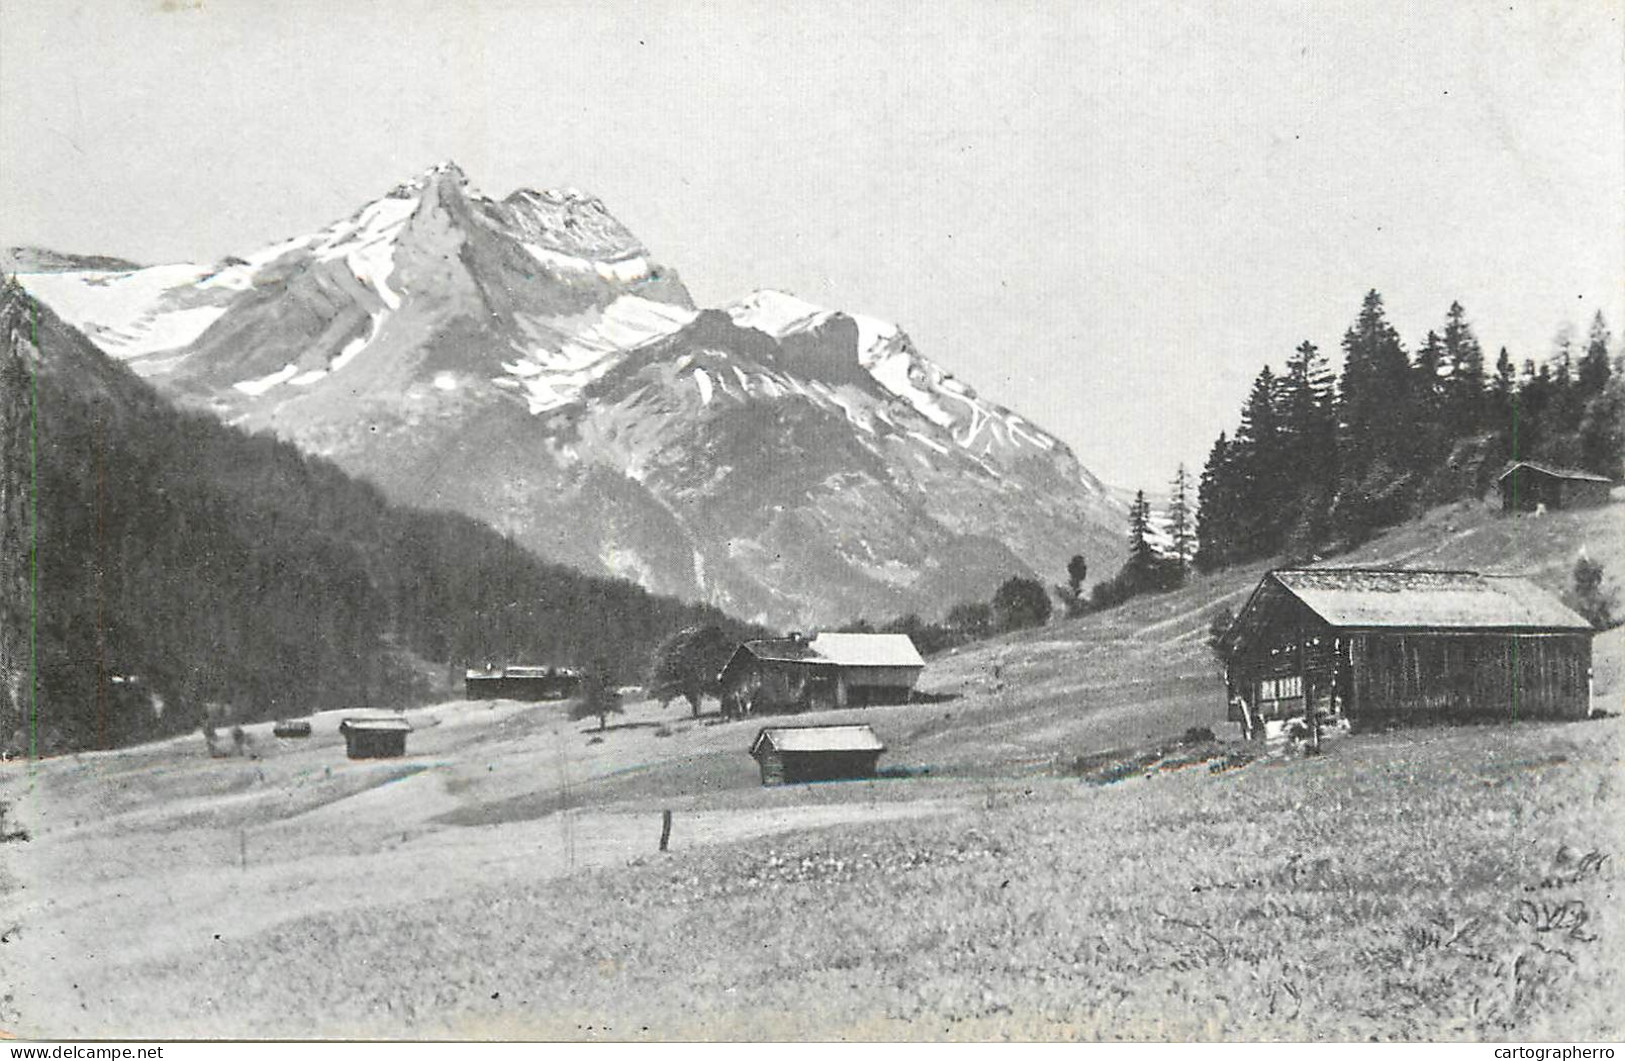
1378	644
375	738
1527	486
789	755
521	683
823	671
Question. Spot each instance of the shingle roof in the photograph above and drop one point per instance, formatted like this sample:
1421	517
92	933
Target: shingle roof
842	650
375	724
818	739
1453	600
1560	473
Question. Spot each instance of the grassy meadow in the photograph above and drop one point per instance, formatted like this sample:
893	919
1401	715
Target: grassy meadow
502	880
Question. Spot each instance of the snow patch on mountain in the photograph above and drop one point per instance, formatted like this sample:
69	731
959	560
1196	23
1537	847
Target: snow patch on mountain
125	313
553	371
367	243
256	387
702	380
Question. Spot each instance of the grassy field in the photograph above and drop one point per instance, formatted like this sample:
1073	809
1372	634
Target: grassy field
503	880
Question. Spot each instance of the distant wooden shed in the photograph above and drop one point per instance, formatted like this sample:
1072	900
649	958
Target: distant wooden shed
375	738
1527	486
1370	644
823	671
789	755
521	683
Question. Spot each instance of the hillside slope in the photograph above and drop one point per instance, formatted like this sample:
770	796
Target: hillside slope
180	564
982	891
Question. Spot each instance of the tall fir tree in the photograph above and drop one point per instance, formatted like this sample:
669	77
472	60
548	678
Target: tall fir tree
1261	460
1181	520
1309	427
1500	415
1464	377
1595	369
1377	416
1215	527
1601	440
1143	561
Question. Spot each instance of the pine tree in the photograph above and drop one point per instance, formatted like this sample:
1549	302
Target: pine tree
1594	366
1261	461
1464	382
1561	420
1309	422
1502	406
1143	561
1181	522
1377	464
1215	529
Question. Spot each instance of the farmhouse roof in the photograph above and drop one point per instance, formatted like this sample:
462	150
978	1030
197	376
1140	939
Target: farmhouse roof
376	725
1408	599
1556	473
841	650
817	739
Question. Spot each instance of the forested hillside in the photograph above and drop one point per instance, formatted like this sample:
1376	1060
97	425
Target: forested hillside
179	563
1320	463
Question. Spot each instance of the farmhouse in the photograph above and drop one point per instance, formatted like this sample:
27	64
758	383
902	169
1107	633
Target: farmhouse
375	738
790	755
521	683
1373	644
824	671
1526	486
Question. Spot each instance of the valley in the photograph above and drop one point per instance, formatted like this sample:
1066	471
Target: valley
502	879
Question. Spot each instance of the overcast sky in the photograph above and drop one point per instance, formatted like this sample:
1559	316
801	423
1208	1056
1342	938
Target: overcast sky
1105	215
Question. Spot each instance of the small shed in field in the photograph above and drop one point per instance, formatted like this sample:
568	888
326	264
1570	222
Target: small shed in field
1371	644
823	671
521	683
375	738
789	755
1526	486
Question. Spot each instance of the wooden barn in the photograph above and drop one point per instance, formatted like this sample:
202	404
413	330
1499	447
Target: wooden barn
1369	645
824	671
790	755
521	683
375	738
1527	486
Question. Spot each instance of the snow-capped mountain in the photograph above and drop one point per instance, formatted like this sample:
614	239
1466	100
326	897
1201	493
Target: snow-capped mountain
527	362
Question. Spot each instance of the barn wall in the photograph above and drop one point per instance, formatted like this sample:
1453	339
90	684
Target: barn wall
772	767
1291	662
895	677
1457	675
801	767
1585	494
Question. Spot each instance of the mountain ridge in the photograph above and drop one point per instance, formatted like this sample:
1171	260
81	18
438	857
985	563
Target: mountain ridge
528	362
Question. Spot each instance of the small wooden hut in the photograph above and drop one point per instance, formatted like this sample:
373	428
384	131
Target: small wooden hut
1374	644
789	755
1527	486
375	738
823	671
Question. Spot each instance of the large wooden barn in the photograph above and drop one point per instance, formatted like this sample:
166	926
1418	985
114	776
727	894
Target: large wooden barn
521	683
824	671
1527	486
789	755
1375	644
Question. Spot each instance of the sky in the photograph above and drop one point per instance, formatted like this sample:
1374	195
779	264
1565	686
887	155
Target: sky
1107	216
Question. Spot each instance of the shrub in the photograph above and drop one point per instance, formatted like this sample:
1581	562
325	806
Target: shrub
1019	603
